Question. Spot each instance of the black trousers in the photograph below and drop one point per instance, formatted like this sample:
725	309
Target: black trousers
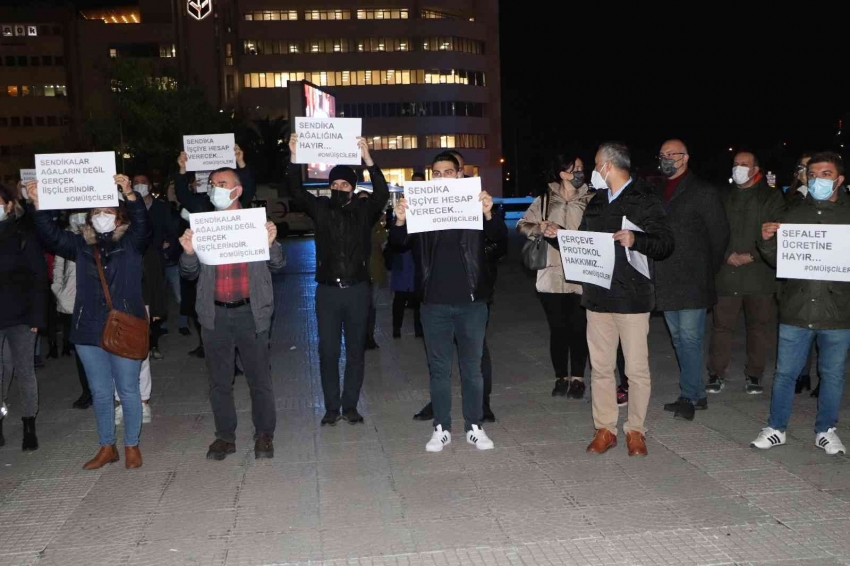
400	301
342	312
567	333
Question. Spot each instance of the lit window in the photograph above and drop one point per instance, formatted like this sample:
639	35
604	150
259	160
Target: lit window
372	77
12	90
327	15
113	53
382	14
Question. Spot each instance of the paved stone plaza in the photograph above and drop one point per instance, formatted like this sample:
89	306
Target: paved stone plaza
370	495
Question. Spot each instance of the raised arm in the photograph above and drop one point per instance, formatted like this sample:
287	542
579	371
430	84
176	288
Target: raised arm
246	178
139	232
299	194
193	202
59	241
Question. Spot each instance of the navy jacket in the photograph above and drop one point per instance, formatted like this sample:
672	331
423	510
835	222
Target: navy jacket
121	252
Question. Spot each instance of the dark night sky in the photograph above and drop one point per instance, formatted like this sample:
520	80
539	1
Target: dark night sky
717	78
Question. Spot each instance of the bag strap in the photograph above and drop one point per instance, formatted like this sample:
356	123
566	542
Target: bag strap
544	206
102	276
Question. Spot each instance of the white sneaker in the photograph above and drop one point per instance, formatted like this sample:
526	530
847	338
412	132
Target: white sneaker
768	438
119	415
479	438
830	442
439	439
146	413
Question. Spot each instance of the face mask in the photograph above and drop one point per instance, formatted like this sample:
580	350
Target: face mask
142	189
340	198
741	175
103	222
668	167
821	189
220	197
578	179
599	182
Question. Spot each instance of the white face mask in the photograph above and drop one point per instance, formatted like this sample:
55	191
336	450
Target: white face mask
741	175
220	197
103	222
142	189
599	182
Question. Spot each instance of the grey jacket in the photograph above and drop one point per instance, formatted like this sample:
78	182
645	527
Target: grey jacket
259	283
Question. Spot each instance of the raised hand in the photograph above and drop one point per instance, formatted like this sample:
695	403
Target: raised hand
186	242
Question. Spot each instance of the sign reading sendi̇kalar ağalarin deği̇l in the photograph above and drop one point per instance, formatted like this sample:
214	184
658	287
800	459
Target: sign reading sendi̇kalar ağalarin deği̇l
230	236
76	180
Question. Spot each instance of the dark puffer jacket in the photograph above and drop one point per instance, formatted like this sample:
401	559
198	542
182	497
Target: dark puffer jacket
121	252
821	305
630	291
685	280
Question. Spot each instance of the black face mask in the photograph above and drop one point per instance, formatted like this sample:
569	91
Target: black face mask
340	198
578	179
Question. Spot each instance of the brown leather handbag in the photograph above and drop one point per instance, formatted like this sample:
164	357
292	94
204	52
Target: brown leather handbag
124	335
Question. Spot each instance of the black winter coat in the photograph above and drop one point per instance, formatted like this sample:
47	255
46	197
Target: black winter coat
630	291
686	280
23	276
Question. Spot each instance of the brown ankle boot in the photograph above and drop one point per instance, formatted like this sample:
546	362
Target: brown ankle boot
106	455
132	457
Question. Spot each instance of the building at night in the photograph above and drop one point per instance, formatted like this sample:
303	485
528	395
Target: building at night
424	76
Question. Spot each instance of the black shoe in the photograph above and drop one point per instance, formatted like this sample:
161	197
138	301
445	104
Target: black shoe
84	401
685	410
420	334
351	416
715	384
263	447
198	352
219	449
38	362
576	389
66	351
803	382
426	414
487	415
562	387
702	404
396	333
816	392
53	353
754	385
184	331
371	344
30	439
331	418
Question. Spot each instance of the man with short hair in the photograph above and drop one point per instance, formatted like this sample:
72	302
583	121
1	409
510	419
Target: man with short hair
454	284
620	315
343	250
745	280
685	280
235	303
811	310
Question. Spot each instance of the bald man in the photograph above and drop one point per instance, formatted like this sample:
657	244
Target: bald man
745	280
684	282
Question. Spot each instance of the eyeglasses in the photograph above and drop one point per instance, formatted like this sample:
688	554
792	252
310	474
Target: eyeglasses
661	156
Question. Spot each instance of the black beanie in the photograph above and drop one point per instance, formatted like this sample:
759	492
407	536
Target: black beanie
344	173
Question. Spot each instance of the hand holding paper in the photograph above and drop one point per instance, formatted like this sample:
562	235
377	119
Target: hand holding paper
635	259
186	241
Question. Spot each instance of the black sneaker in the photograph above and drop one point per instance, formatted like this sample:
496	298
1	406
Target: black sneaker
562	387
83	402
622	397
220	449
685	410
715	384
351	416
702	404
331	418
426	414
674	406
263	447
576	389
754	385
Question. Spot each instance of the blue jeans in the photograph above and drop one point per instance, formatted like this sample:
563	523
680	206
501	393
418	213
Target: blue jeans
687	328
106	371
794	344
172	276
443	325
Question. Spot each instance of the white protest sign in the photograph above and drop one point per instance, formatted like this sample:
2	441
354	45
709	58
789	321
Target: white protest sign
813	251
587	256
230	236
202	179
207	153
28	175
443	204
76	180
636	259
328	140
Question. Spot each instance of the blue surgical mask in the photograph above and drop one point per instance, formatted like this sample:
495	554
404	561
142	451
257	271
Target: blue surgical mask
821	189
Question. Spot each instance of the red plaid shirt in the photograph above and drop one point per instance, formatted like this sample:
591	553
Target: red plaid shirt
231	282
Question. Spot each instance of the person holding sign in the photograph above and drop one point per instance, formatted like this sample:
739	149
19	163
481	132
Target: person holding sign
810	310
235	304
454	283
23	286
196	202
343	248
621	314
120	236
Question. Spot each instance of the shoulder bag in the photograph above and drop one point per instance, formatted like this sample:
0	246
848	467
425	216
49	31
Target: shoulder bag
124	335
535	251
